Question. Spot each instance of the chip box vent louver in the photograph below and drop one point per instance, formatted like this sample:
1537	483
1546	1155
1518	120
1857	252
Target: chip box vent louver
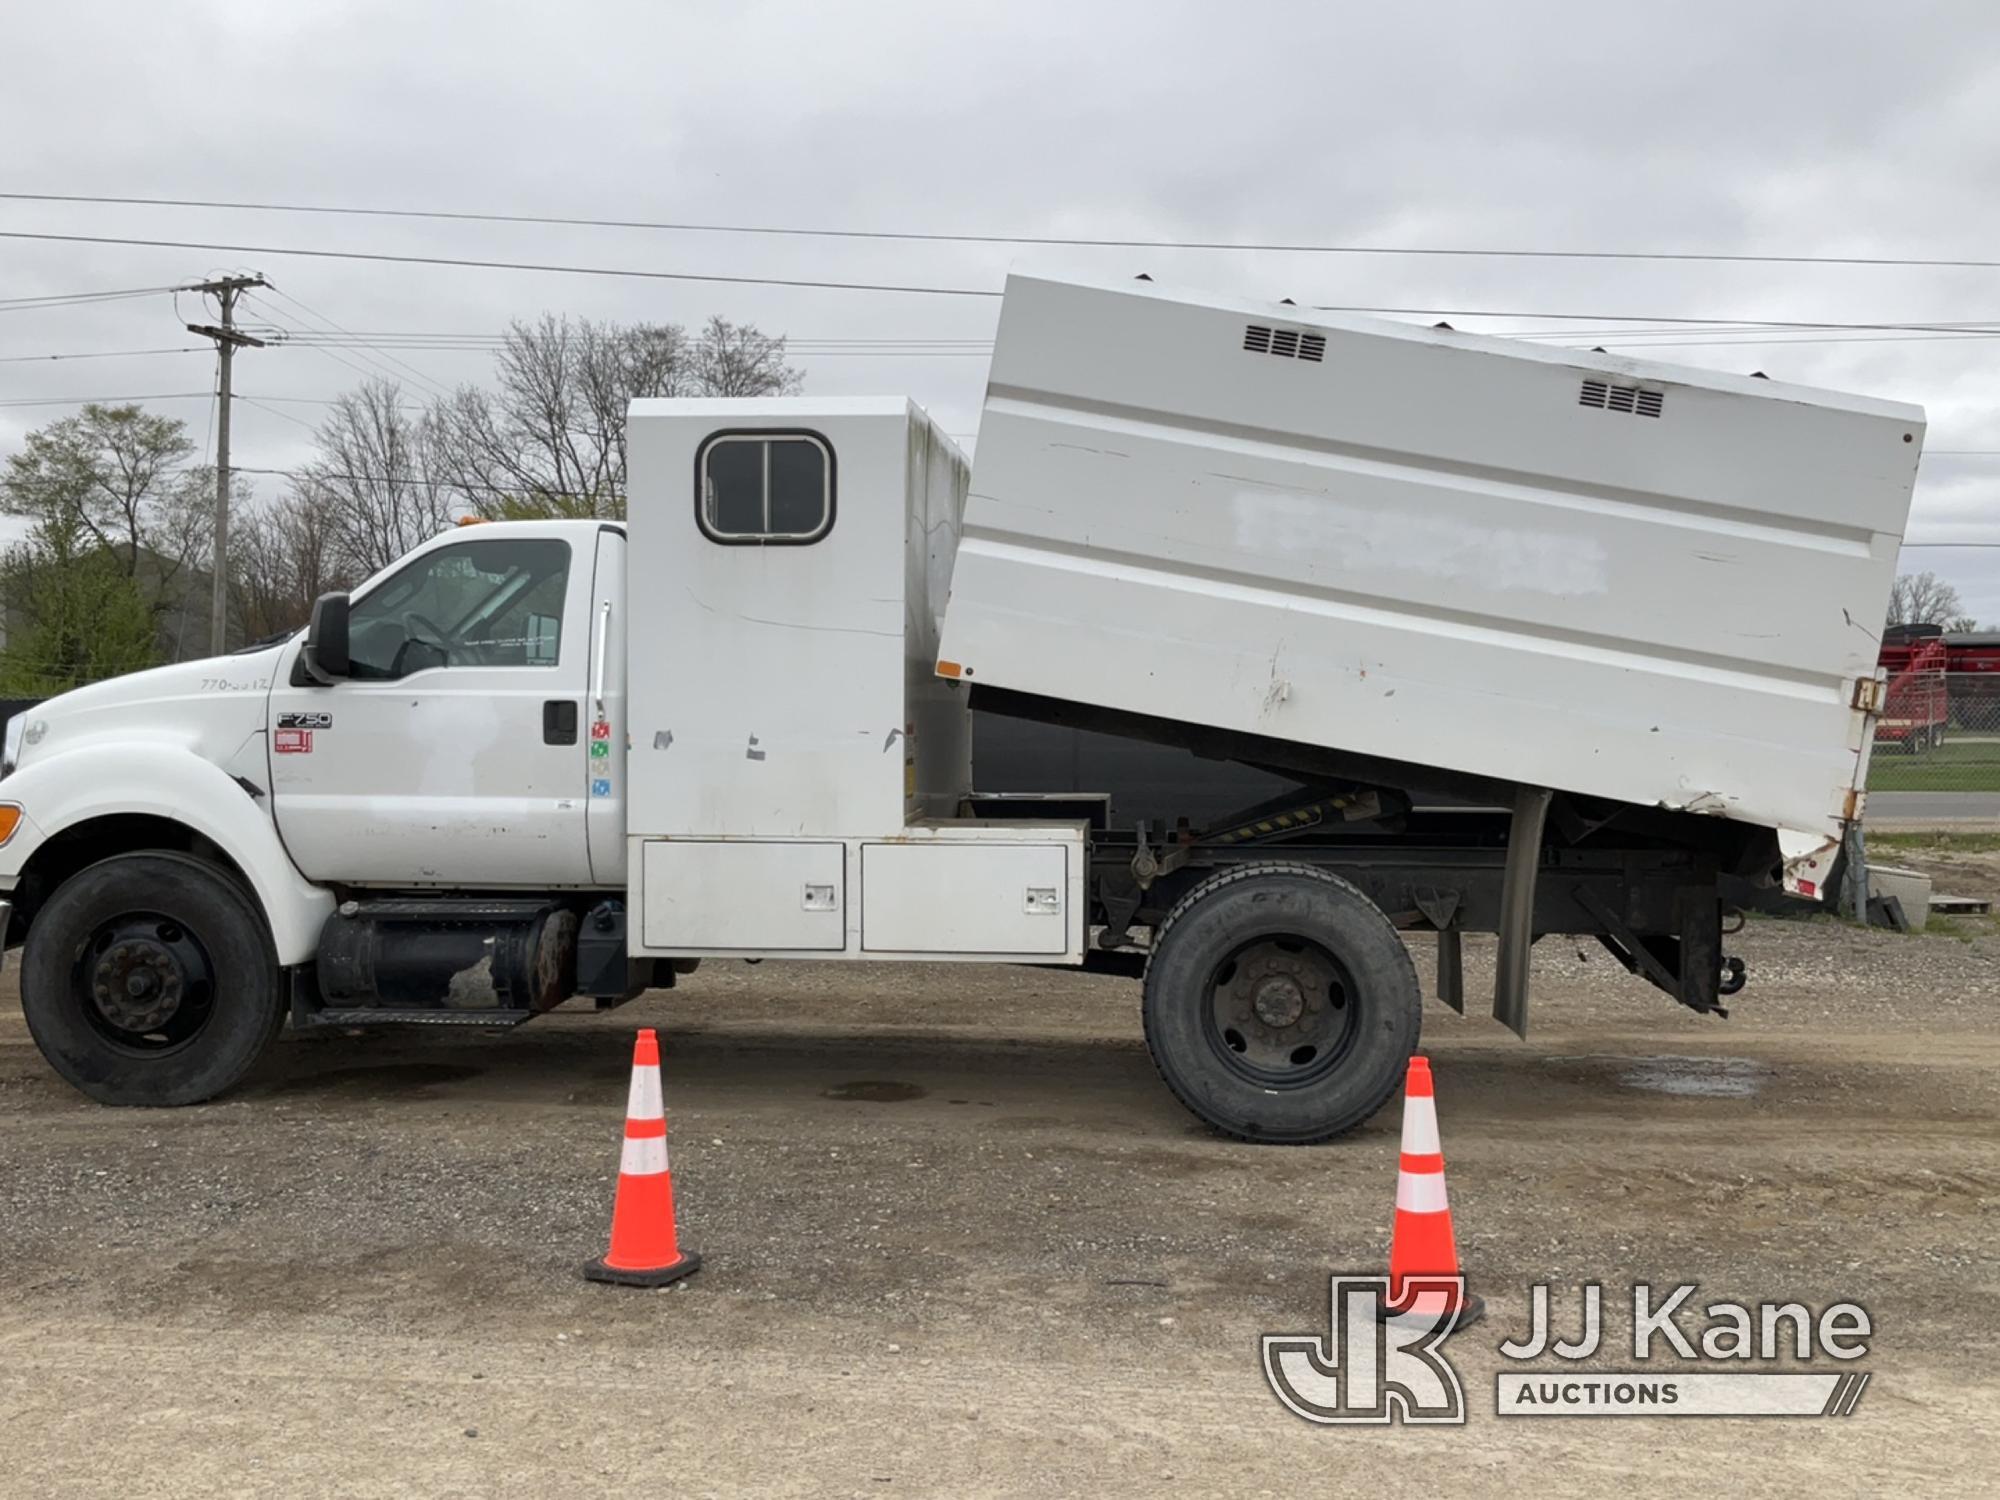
1626	398
1286	343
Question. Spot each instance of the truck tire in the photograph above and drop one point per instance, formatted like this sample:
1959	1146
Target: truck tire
1280	1004
149	979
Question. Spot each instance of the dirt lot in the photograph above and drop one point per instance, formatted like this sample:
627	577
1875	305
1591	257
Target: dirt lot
1014	1266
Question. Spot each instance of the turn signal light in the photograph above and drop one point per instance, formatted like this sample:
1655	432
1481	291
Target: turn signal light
10	819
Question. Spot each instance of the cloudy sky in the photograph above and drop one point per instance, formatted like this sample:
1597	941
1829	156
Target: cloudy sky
1821	129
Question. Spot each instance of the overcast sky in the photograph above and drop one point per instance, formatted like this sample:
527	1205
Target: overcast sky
1822	128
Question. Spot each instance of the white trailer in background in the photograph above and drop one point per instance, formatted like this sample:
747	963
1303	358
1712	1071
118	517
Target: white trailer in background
1619	612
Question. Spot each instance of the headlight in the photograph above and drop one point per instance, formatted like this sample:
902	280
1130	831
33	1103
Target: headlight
10	754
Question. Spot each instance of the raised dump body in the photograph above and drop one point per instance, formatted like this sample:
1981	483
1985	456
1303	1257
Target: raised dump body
1607	576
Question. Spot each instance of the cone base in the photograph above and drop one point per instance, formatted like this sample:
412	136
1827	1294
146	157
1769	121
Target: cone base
687	1265
1470	1312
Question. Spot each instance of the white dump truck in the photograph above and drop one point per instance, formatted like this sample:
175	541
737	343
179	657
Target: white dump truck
1539	641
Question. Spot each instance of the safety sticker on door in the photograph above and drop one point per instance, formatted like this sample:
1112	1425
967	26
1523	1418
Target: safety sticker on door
293	742
601	787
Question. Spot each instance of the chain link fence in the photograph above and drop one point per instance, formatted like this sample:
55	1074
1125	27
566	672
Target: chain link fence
1939	732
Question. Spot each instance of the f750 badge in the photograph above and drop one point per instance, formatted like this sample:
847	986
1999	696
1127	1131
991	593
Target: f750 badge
305	721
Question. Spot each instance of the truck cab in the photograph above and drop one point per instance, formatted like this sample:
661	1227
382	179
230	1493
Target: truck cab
185	834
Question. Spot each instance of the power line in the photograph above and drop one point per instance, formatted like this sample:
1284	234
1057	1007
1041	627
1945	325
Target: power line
323	318
106	400
502	265
475	342
322	401
296	422
375	370
1068	241
21	359
171	396
455	484
78	299
799	351
124	291
208	428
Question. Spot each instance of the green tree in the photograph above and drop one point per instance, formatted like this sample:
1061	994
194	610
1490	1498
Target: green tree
117	527
77	620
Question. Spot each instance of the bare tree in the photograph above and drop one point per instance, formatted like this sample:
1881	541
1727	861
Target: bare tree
375	480
734	359
549	439
1926	599
290	555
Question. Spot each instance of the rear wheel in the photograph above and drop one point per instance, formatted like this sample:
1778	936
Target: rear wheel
149	979
1280	1004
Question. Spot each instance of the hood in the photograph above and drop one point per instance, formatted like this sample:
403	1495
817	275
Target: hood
209	707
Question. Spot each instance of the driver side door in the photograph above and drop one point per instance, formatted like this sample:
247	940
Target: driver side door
456	752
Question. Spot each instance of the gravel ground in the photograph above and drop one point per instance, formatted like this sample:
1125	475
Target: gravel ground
960	1240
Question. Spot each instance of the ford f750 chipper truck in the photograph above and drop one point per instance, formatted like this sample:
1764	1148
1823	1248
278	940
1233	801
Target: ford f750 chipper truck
1541	641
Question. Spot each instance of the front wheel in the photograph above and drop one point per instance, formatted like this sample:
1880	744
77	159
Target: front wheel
1280	1004
149	979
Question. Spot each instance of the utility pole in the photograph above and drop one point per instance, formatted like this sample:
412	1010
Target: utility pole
226	290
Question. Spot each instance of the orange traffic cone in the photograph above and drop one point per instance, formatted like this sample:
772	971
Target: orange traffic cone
644	1248
1422	1244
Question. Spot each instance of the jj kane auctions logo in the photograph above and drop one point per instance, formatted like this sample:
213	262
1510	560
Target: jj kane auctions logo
1383	1362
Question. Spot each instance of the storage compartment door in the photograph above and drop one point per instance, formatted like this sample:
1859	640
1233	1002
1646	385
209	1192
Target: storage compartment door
965	898
713	893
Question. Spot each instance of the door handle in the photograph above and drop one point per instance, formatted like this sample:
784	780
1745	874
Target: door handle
559	721
597	665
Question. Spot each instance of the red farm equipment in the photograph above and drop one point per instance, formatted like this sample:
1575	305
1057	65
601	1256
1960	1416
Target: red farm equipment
1917	709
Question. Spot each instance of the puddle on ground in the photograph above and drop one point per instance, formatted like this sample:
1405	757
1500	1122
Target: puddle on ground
1696	1077
876	1092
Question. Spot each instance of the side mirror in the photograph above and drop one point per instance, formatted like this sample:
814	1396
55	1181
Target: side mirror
325	655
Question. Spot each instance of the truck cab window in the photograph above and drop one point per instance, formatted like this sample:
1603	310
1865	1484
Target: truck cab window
473	604
765	487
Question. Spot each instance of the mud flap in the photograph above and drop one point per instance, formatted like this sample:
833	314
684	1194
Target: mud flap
1517	908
